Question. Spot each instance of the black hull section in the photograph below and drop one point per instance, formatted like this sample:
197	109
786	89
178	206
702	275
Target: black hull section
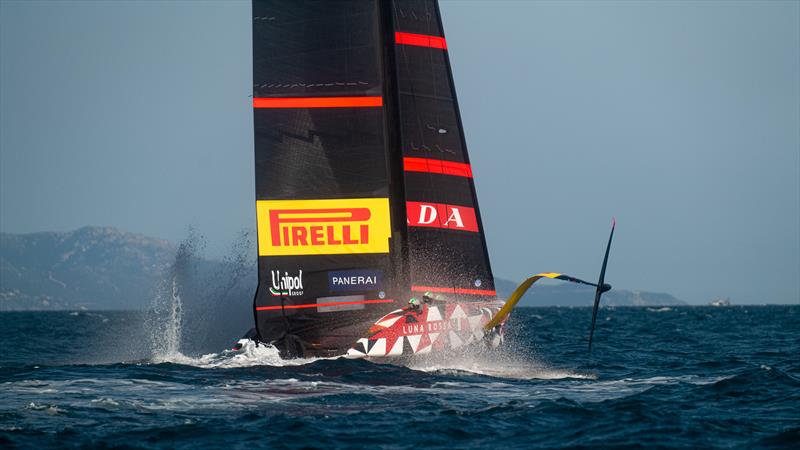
310	336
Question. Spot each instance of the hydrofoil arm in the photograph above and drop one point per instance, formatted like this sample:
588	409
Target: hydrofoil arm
524	286
600	288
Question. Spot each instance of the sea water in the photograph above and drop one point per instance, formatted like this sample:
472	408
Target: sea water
663	377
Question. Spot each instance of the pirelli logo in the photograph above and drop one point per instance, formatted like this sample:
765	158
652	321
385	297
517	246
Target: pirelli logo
323	227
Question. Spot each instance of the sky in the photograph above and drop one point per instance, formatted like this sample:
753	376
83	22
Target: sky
681	119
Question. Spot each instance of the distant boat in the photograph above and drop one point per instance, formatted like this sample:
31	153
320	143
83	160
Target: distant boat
721	302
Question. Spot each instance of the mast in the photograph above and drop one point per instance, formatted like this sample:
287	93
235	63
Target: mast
394	149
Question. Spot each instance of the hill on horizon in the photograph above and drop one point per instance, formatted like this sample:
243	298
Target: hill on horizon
91	267
107	268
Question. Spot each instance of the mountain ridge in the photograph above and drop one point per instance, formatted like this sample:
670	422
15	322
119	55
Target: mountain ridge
569	294
91	267
107	268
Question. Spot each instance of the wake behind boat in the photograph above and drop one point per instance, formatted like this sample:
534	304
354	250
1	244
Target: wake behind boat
365	196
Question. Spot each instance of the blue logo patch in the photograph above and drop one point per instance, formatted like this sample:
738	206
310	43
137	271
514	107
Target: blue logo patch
354	280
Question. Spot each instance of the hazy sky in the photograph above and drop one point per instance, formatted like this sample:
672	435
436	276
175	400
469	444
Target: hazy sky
682	119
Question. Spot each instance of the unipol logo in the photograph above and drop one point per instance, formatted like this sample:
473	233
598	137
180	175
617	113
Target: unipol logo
286	285
308	227
439	215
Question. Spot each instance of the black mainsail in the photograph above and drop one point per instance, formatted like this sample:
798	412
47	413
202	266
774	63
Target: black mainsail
364	191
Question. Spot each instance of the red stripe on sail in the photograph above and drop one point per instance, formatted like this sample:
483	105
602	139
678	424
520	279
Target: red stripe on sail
440	215
437	166
449	290
419	40
315	305
317	102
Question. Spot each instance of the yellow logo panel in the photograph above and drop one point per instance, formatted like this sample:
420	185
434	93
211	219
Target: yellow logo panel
323	227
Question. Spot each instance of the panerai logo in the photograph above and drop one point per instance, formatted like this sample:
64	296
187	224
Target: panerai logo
354	280
286	286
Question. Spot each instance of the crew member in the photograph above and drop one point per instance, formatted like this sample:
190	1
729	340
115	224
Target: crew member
427	297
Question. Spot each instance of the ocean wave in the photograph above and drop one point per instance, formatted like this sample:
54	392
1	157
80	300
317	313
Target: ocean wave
503	366
652	379
250	355
512	369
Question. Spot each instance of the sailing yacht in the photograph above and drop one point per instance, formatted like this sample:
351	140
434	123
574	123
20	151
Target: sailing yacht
365	195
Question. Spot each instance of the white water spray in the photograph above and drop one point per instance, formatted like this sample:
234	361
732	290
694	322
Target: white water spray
172	332
164	323
165	318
